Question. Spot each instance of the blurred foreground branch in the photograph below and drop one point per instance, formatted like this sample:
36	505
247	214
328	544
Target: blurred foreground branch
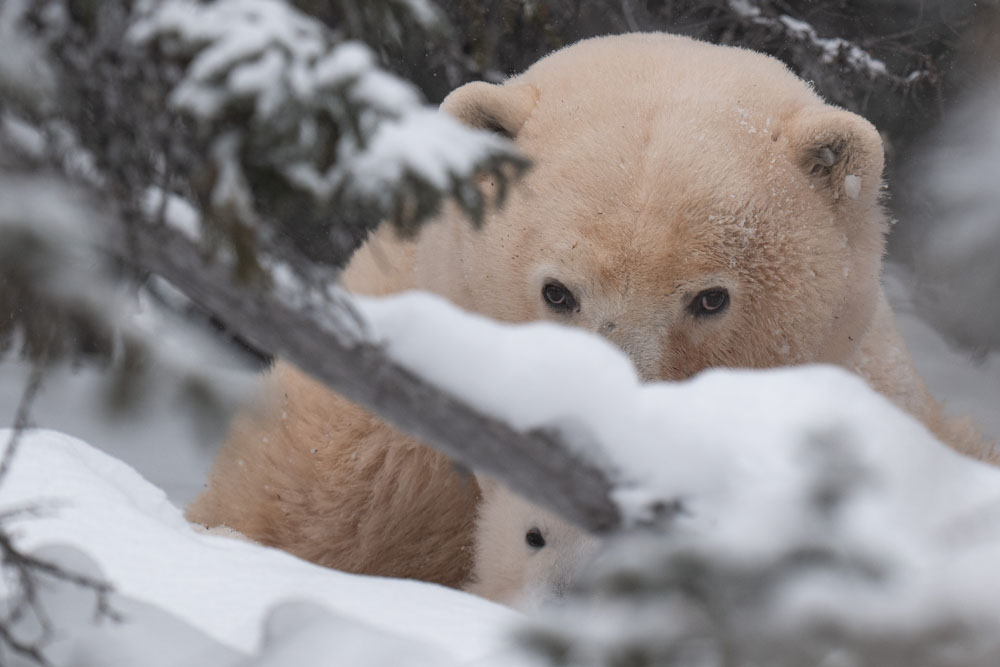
316	330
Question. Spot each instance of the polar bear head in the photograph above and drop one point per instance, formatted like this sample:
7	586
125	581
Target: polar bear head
696	204
525	555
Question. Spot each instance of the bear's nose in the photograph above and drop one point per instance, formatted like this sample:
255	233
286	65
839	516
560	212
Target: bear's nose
641	347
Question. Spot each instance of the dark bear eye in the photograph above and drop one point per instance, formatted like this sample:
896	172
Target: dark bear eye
710	302
534	539
558	297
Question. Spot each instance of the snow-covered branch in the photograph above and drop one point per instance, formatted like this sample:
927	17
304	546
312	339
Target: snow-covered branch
283	96
268	121
834	51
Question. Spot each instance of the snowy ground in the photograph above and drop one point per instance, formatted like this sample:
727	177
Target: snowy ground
195	599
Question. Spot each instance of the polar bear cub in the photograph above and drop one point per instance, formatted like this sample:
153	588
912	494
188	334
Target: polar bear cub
525	555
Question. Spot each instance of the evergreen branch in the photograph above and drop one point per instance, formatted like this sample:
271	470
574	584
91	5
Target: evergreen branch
831	51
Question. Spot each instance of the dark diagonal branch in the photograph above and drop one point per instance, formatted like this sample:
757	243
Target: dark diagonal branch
535	464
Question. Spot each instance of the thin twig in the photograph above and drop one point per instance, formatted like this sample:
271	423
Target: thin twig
23	417
27	568
362	372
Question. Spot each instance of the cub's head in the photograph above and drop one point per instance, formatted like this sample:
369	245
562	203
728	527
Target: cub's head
525	555
698	205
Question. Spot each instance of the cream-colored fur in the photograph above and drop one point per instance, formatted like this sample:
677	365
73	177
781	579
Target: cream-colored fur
507	568
663	167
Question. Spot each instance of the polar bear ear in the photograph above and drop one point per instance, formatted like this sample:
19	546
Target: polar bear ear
840	152
498	108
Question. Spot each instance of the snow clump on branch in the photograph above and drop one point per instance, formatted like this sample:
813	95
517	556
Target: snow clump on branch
285	93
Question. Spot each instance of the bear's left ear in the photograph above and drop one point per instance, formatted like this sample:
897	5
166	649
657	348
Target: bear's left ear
840	152
501	108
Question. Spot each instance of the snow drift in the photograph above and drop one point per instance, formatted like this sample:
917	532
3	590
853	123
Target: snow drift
190	598
899	534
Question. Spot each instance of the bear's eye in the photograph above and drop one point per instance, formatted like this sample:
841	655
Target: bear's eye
558	297
534	539
710	302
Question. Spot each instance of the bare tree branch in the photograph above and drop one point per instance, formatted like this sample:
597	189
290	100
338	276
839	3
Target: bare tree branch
26	572
22	418
26	569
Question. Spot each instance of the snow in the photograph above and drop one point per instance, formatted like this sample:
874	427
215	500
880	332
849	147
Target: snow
301	78
230	590
424	12
742	450
665	437
348	61
354	63
797	27
22	135
178	213
744	8
748	454
249	44
267	51
426	143
852	186
831	48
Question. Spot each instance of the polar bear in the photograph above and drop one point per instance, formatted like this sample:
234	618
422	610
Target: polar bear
697	205
524	554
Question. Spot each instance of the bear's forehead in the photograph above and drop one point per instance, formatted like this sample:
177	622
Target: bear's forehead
655	112
663	151
613	230
726	203
656	68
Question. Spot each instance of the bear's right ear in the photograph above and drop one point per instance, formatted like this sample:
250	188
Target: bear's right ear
840	152
494	107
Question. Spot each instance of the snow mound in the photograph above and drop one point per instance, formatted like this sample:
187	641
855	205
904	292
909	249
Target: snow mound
879	531
206	599
721	440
